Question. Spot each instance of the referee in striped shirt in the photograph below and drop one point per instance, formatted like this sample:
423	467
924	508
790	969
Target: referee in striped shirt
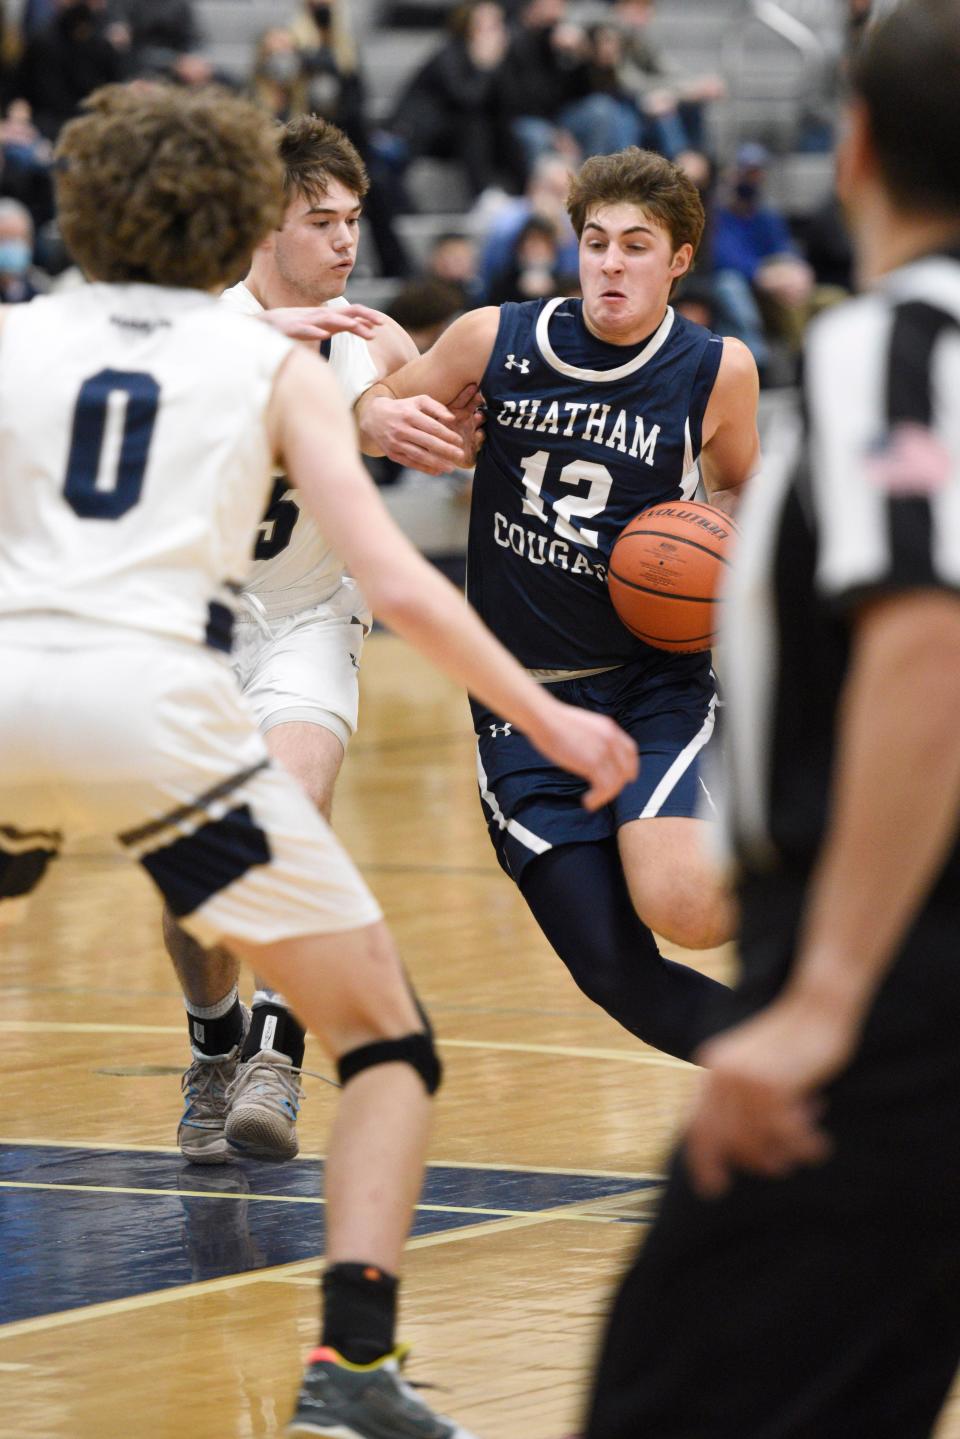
803	1278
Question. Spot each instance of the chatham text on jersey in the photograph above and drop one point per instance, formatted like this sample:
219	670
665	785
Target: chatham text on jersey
576	419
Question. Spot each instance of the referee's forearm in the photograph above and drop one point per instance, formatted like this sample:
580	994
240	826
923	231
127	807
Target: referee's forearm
896	798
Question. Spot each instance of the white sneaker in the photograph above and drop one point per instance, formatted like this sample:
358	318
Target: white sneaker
200	1133
263	1101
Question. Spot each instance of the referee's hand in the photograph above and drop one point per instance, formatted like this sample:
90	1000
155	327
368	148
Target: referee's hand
760	1108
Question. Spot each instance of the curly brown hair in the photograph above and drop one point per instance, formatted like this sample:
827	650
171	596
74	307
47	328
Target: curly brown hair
314	152
639	177
167	186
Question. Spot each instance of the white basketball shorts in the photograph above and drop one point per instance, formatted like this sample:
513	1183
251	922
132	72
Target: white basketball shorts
147	741
301	667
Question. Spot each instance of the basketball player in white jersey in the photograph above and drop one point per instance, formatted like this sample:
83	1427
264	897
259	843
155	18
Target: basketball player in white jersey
300	628
139	421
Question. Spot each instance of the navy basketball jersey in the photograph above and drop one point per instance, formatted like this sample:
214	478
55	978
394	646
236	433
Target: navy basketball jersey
580	436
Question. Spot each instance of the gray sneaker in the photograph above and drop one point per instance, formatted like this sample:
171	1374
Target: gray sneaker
340	1400
200	1131
263	1102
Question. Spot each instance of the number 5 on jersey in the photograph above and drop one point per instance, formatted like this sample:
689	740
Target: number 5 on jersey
276	527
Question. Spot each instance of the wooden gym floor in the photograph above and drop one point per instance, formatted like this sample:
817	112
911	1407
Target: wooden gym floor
142	1295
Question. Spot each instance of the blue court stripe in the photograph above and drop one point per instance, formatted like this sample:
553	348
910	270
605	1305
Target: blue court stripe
67	1248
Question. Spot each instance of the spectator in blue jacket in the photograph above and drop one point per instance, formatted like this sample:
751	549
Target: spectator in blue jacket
753	240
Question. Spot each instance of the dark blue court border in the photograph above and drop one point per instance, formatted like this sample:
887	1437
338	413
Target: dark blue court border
64	1250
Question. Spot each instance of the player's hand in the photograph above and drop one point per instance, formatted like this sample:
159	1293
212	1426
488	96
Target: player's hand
320	322
469	414
760	1107
591	745
419	433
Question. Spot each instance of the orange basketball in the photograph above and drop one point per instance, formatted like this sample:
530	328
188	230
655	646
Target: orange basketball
665	574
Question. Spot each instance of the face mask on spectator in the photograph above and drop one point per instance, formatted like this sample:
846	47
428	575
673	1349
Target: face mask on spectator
14	257
747	190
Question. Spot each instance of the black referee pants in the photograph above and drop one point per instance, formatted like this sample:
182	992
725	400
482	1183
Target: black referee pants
825	1305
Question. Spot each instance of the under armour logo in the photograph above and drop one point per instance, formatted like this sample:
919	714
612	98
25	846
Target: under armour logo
512	363
496	729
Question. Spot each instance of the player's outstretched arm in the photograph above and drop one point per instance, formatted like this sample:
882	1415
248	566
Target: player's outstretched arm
314	442
320	322
423	412
731	442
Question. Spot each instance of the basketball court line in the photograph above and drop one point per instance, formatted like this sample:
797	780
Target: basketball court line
313	1199
294	1273
153	1207
6	1142
564	1051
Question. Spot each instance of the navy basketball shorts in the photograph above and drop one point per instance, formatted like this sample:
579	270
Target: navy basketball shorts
667	703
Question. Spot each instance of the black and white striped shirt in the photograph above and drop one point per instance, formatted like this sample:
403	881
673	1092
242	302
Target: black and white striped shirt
863	499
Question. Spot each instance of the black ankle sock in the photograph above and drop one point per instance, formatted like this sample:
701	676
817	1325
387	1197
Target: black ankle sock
285	1035
359	1311
215	1036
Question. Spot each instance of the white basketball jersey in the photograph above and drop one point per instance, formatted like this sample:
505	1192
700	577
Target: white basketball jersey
134	457
294	567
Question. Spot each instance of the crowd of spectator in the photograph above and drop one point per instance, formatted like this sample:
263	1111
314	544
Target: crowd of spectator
497	96
515	93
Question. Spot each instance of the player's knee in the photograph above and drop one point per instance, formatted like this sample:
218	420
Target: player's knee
416	1050
313	754
386	1041
681	900
692	920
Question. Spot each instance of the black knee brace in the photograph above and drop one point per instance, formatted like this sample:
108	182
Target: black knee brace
414	1049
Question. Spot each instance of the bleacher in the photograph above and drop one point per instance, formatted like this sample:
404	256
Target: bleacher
777	56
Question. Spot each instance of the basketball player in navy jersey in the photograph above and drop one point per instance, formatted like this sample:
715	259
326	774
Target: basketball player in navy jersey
596	409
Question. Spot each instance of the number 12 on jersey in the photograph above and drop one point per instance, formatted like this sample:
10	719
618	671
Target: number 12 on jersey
585	507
